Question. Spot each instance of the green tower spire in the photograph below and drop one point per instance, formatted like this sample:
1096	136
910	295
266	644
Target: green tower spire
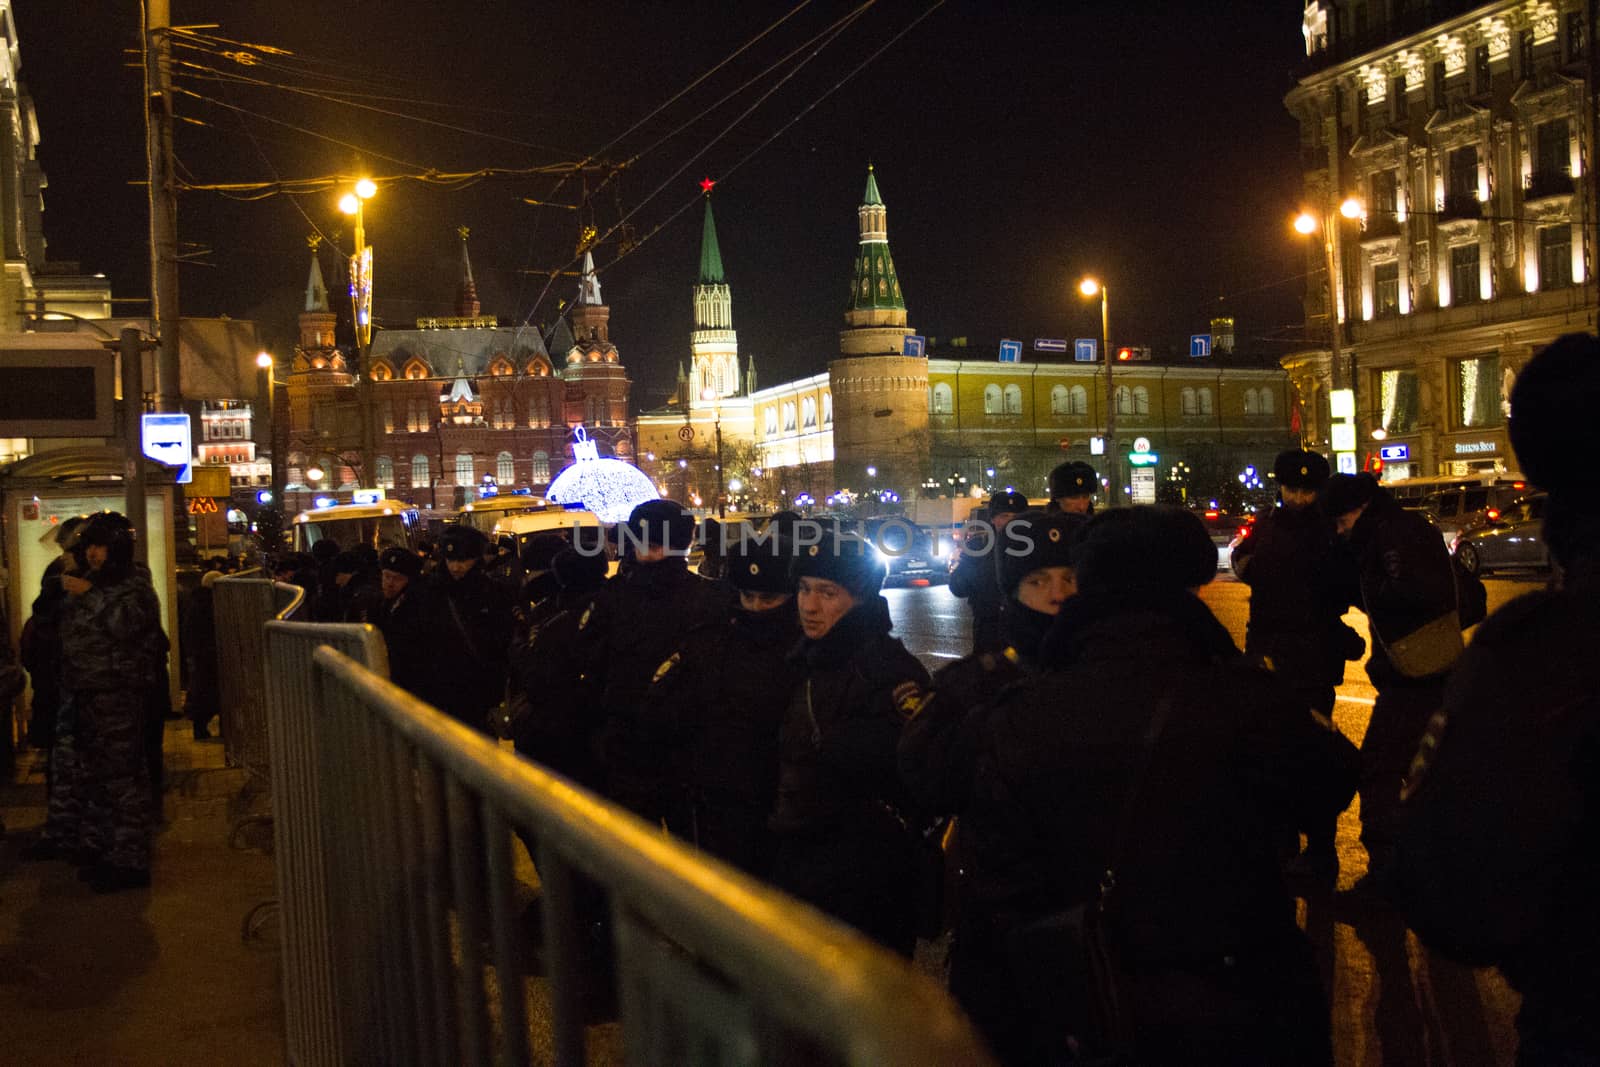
875	286
871	196
710	252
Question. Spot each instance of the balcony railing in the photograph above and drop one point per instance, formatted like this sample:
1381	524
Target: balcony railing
1461	207
1385	31
1543	183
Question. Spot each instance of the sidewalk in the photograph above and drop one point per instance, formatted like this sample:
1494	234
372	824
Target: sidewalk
158	976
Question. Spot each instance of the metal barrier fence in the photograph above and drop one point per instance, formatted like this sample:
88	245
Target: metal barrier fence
306	893
429	960
242	605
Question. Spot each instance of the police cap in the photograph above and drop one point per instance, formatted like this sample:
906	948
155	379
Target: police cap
1300	469
1073	478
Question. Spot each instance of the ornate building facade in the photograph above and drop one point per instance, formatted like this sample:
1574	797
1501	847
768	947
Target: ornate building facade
1457	139
461	405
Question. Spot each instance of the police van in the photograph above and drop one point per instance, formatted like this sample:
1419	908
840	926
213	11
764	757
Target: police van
382	524
484	514
552	518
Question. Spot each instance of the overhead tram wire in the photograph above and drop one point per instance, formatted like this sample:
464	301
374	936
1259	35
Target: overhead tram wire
832	34
299	129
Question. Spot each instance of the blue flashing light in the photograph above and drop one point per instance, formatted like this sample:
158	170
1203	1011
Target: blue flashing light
324	502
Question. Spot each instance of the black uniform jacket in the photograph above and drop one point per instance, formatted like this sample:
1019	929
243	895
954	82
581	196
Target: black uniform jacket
1400	575
716	705
976	580
858	687
554	726
406	624
636	622
1239	760
1295	607
471	633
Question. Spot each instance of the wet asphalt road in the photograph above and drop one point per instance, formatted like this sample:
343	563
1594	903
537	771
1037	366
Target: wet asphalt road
1393	1001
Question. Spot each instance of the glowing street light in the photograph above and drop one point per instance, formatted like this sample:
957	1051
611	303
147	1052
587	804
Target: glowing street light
1307	223
314	473
353	203
1092	287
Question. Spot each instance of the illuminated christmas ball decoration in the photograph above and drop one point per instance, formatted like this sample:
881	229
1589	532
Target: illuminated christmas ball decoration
608	487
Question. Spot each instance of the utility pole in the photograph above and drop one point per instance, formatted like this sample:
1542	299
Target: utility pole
131	347
163	201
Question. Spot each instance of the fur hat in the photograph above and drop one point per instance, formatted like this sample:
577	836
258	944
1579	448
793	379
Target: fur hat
1035	540
463	542
1144	551
1552	407
845	558
759	566
541	549
579	571
112	531
1007	502
1300	469
1343	493
401	561
662	524
1073	478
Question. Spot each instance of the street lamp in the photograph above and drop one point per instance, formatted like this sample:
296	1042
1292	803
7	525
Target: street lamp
314	473
1090	288
354	203
1306	223
274	453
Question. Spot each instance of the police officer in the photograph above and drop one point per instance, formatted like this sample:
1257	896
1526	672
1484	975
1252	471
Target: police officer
844	843
1497	861
1151	746
1398	572
552	723
113	648
471	632
717	702
1072	488
405	618
1296	617
636	622
976	577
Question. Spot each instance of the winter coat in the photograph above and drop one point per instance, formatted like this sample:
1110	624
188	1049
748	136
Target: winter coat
470	638
636	622
977	581
552	721
1295	609
716	705
111	635
407	624
40	650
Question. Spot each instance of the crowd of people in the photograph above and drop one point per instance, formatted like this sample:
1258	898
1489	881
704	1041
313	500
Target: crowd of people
1122	789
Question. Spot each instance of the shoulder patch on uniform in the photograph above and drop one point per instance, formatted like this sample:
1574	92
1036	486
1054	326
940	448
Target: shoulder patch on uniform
909	698
666	666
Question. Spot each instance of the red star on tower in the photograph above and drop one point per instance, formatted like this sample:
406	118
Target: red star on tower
706	185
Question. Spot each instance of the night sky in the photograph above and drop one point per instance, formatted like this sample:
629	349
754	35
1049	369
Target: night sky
1017	147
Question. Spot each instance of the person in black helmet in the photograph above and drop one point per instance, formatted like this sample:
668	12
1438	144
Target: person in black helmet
1072	488
636	622
1296	616
976	576
843	842
716	704
1145	706
113	661
1496	862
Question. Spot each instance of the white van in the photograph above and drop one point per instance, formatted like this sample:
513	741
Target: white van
386	523
483	514
527	525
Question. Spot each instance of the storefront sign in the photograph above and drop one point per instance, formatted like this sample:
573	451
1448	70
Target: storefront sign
1395	453
1477	448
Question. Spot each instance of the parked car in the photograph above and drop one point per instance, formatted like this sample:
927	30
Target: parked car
1505	540
909	553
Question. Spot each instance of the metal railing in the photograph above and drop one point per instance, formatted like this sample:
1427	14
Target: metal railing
300	814
430	962
243	604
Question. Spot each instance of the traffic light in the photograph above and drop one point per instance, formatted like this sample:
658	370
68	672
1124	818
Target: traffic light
1124	354
1132	353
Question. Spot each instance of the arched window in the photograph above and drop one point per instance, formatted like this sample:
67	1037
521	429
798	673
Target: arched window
1203	399
808	412
1060	400
788	416
719	379
1186	402
1141	400
464	475
1250	402
827	409
943	399
1013	398
1079	401
385	472
1124	400
539	410
1264	402
770	421
541	467
420	478
992	404
388	418
505	469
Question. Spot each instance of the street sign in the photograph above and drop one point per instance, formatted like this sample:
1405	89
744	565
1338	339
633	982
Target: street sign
1097	446
1010	351
165	437
915	345
1346	462
1141	444
1065	443
1343	435
1086	350
1143	485
1049	344
1342	404
686	433
1199	345
1394	453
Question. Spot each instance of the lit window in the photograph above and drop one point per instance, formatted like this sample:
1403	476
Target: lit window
992	402
1266	404
419	472
770	421
464	475
1478	392
1202	398
505	469
1250	402
386	472
1060	400
808	411
1013	397
1078	401
827	409
1124	400
1141	400
1555	256
943	399
541	467
788	416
